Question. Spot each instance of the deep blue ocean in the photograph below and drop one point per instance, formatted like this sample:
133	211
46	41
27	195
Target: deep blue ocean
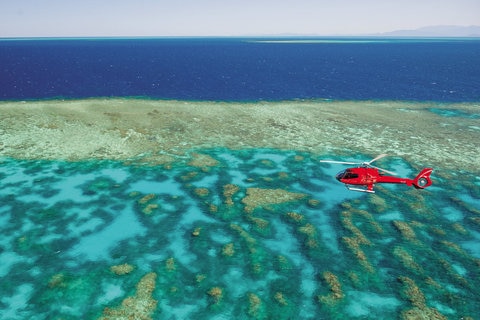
123	218
236	69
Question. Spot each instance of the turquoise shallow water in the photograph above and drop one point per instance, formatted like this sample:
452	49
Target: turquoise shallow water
315	251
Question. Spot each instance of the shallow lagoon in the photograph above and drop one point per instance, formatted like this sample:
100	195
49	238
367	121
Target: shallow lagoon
328	253
220	232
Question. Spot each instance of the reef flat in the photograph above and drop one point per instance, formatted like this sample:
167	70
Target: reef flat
146	209
427	134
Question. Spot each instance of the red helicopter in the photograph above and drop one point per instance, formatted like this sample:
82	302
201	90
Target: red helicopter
366	176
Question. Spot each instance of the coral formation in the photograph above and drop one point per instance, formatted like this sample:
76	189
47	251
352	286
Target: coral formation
57	280
459	228
336	292
189	176
202	161
228	250
259	223
405	230
334	284
379	203
145	202
420	310
257	197
255	306
122	269
213	208
146	198
196	231
354	242
256	253
348	224
216	294
407	260
170	265
245	235
149	208
299	158
201	192
313	203
354	246
200	278
140	306
311	235
296	217
308	230
280	298
228	191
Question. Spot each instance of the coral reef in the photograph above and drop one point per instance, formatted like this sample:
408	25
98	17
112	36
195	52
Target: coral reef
228	250
336	292
354	246
459	228
348	224
259	223
255	306
196	231
92	133
189	176
407	260
258	197
140	306
200	278
147	198
202	161
149	208
122	269
57	281
216	294
296	217
256	253
201	192
170	265
216	258
228	191
280	298
405	230
378	202
420	310
313	203
145	202
358	238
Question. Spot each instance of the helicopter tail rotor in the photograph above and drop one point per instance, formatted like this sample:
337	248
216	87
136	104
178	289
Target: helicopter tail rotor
422	180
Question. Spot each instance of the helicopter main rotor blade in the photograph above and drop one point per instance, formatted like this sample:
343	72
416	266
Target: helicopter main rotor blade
386	171
341	162
377	158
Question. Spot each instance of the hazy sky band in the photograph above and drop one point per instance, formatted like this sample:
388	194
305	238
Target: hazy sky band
33	18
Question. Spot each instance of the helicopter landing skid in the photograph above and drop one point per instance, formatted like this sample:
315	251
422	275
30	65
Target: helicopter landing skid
359	189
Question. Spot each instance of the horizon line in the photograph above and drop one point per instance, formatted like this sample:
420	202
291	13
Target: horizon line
275	36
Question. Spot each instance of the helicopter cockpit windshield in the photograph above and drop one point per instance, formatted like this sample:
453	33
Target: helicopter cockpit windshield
345	174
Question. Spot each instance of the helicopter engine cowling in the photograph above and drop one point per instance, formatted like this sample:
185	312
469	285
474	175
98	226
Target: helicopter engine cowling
422	180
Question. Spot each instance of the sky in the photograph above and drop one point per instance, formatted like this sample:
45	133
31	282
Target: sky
99	18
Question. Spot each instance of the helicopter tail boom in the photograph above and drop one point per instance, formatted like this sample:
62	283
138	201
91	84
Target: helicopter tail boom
422	180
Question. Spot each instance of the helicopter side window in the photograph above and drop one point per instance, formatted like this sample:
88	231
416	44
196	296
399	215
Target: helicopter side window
350	175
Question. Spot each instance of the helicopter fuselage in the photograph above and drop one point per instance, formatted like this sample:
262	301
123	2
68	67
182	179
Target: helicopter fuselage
367	177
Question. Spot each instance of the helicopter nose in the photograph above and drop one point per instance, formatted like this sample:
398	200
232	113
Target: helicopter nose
340	175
